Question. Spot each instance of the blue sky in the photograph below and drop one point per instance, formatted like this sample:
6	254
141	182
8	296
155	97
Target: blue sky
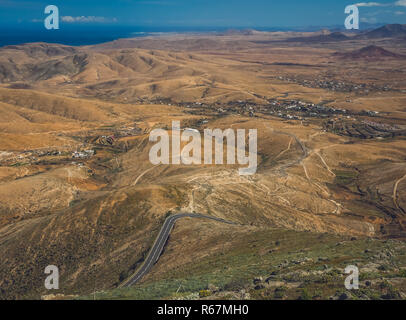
201	13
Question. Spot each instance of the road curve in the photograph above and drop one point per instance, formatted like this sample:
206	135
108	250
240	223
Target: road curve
159	245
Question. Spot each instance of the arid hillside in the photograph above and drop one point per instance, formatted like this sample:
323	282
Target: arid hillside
77	188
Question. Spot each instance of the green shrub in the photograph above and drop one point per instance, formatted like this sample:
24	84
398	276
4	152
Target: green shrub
204	293
235	285
280	292
305	295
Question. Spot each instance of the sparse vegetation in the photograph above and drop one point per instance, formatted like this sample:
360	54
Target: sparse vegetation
78	190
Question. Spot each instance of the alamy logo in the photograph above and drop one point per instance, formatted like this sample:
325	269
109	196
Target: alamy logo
352	21
352	281
52	21
52	281
191	153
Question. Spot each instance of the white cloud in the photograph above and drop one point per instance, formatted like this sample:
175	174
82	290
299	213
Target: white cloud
86	19
400	3
369	20
371	4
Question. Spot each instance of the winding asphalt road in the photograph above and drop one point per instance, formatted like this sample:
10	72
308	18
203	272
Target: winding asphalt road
161	239
159	245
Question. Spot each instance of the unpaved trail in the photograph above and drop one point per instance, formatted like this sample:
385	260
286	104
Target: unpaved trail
294	162
142	174
301	161
69	172
395	191
338	206
305	171
286	150
325	163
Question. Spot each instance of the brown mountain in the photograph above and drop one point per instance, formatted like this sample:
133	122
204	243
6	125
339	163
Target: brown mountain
370	52
332	37
387	31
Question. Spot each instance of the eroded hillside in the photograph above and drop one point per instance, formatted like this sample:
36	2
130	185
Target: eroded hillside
77	188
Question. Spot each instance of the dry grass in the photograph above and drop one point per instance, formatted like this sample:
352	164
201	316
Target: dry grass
95	222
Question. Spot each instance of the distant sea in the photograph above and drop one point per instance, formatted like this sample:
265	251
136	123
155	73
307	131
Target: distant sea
84	35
